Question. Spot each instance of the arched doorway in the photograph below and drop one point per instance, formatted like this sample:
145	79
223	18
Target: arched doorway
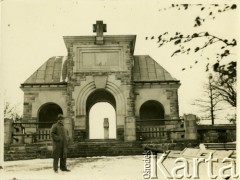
47	114
101	105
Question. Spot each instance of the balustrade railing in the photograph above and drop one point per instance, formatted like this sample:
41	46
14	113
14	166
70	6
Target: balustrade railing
29	130
165	129
146	129
44	134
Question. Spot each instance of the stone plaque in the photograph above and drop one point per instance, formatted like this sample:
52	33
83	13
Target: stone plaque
92	58
99	59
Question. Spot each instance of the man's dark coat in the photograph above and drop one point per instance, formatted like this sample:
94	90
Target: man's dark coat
60	140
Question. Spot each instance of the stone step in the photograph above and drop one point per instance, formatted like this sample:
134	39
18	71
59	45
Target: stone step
80	149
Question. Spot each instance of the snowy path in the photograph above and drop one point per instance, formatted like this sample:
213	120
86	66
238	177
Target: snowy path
92	168
129	167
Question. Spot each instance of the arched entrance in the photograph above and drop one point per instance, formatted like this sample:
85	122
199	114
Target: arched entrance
101	115
48	114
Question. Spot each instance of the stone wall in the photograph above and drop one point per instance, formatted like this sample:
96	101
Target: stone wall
35	98
165	94
29	98
81	149
172	96
217	136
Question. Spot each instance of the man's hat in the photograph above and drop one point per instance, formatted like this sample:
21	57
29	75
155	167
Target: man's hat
60	116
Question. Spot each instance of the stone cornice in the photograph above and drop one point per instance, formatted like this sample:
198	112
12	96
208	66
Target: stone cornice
108	38
43	85
42	88
175	84
159	82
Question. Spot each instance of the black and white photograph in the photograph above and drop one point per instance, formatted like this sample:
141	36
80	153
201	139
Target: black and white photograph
119	89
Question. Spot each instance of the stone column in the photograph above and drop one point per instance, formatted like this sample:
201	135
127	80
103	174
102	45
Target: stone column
190	127
8	131
120	126
69	126
106	128
130	121
80	128
130	129
2	124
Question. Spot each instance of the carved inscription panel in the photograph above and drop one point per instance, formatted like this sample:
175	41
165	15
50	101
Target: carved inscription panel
99	59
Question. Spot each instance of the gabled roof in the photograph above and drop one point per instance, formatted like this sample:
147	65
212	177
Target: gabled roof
147	69
54	70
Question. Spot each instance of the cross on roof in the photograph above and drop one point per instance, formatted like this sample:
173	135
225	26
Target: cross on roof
99	28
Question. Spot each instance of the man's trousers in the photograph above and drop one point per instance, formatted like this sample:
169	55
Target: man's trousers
62	164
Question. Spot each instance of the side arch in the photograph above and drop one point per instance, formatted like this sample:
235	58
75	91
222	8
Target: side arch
151	109
47	113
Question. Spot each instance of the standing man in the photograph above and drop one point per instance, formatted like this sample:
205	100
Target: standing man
60	140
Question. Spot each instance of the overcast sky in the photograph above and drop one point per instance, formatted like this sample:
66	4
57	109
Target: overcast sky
32	32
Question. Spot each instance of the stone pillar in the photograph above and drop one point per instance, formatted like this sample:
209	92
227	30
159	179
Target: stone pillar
8	129
80	128
106	128
18	132
2	123
68	124
130	121
130	129
190	126
120	126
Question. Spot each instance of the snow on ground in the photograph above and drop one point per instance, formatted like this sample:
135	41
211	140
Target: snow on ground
91	168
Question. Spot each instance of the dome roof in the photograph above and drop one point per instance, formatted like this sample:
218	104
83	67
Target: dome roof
147	69
51	71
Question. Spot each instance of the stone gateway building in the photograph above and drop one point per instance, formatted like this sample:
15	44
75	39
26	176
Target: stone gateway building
99	70
103	68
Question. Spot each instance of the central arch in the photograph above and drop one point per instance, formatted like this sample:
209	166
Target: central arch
95	99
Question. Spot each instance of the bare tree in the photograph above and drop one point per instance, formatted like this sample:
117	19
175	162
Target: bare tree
209	103
223	85
207	12
197	42
11	111
225	82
